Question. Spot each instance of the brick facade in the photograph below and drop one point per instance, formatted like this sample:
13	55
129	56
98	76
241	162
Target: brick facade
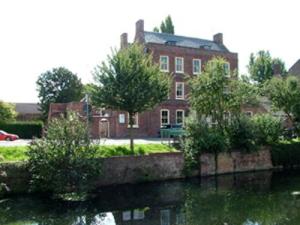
108	123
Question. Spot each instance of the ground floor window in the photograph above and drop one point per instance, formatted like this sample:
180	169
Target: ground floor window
135	120
180	117
164	117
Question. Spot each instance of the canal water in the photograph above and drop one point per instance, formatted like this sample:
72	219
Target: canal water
262	198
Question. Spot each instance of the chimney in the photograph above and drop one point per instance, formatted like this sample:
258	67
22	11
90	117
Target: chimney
218	38
124	40
139	32
277	69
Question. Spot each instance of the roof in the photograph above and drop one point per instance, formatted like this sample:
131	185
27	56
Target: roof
295	69
171	39
27	108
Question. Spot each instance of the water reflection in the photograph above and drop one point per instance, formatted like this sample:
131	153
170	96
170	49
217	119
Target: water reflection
263	198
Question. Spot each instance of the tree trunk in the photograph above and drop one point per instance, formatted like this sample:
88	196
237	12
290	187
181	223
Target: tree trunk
130	133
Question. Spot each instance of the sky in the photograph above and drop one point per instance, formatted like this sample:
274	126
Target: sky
38	35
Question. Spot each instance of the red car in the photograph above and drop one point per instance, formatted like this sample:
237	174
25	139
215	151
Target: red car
7	137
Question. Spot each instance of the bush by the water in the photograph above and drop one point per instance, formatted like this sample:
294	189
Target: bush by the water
242	134
268	129
25	130
286	153
64	160
201	138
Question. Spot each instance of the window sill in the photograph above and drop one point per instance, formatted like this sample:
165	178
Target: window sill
135	126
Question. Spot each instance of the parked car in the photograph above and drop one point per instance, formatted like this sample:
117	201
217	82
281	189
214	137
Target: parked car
7	137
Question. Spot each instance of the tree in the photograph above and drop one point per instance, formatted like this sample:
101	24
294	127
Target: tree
214	94
166	26
131	82
59	85
156	29
262	67
64	160
7	112
284	94
277	62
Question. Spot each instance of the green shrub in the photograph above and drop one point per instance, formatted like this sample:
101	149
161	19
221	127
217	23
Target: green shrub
242	136
25	130
65	160
200	138
286	154
268	129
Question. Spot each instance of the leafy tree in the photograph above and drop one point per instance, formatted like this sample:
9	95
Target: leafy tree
268	128
277	62
155	29
65	160
166	26
284	94
213	93
59	85
130	82
7	112
262	67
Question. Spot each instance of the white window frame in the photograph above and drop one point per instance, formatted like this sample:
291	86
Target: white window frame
160	63
176	88
200	66
163	124
121	118
180	110
136	125
227	75
182	66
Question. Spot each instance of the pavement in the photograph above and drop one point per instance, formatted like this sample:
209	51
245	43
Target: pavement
102	141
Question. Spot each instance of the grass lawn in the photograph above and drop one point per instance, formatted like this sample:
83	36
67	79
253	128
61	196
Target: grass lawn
10	154
15	153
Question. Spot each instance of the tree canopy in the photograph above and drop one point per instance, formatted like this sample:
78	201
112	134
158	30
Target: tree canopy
284	94
263	67
7	112
58	85
166	26
130	81
214	94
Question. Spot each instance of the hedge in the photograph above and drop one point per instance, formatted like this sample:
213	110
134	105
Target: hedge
286	154
25	130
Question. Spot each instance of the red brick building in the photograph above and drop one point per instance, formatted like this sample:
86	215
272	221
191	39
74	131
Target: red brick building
177	55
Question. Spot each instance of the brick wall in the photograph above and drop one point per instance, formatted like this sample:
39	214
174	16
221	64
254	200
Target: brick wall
235	162
153	167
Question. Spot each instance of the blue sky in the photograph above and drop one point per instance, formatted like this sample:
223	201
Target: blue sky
37	35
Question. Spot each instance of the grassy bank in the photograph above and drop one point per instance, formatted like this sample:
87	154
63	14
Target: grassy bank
10	154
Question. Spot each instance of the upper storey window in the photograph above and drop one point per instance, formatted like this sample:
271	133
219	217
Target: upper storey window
179	64
164	63
227	69
196	66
